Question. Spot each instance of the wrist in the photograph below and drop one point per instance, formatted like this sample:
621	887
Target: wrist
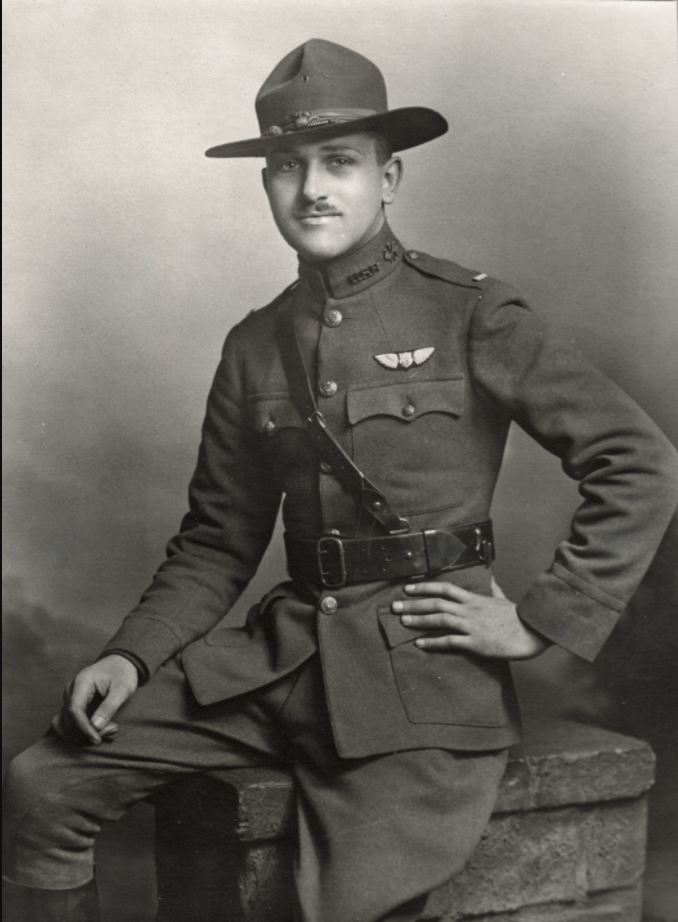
139	665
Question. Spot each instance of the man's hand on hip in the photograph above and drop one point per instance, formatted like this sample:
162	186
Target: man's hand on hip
465	621
92	699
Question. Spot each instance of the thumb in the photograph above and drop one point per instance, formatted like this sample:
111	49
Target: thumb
109	706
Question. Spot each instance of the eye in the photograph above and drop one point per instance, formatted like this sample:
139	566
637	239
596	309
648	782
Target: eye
286	166
342	161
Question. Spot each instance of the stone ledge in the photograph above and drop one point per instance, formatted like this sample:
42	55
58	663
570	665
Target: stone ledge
565	763
566	842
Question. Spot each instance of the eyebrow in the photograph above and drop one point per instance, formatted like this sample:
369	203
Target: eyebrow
325	148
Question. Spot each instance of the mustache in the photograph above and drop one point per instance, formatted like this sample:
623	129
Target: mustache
318	210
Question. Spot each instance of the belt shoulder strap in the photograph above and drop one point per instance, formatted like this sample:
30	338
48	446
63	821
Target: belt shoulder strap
369	498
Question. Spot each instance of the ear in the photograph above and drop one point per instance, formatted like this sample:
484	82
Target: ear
392	173
264	179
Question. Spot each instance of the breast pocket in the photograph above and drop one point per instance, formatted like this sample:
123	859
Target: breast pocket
271	414
446	687
403	435
284	439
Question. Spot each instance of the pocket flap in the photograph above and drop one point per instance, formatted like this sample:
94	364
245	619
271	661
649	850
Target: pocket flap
394	630
407	400
228	637
267	413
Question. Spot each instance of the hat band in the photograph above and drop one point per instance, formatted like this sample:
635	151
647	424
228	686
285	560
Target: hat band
299	121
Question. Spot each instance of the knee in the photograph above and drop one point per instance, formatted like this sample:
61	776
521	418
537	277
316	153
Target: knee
23	783
30	786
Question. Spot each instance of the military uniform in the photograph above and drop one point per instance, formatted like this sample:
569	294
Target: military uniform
432	435
419	366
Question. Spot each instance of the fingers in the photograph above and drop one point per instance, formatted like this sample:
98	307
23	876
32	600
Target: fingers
444	590
81	694
103	715
426	607
439	620
109	732
445	642
66	730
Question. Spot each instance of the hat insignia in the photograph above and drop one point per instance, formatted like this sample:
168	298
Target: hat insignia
405	360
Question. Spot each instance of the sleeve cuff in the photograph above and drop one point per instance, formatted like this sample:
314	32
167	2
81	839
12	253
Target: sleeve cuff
145	640
569	616
138	664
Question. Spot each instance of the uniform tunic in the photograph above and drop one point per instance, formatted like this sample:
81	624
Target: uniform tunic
420	366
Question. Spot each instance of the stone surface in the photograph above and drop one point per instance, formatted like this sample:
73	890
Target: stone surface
613	906
558	764
549	856
566	842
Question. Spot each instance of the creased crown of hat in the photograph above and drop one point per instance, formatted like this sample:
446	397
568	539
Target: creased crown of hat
321	90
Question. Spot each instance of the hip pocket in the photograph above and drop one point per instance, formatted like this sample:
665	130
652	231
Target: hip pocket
445	687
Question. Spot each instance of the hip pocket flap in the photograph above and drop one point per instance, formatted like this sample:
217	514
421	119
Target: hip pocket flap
396	632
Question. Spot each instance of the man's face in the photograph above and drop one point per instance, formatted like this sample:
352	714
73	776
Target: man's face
327	197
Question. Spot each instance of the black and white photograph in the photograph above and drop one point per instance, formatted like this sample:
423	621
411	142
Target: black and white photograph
340	559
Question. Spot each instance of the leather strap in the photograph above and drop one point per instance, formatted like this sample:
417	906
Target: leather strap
333	561
369	498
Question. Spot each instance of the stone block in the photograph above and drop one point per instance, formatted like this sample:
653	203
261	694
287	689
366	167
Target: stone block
566	842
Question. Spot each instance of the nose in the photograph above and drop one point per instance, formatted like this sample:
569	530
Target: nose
312	184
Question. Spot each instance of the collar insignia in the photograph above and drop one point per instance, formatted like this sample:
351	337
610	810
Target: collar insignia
395	360
363	274
390	252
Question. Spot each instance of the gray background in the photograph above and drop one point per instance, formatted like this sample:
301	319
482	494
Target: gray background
130	255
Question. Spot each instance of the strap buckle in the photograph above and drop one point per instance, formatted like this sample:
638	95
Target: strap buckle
484	547
331	562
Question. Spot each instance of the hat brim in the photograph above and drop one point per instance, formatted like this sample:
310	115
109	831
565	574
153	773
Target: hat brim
404	128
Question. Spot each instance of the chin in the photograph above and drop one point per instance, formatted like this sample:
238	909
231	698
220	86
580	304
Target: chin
322	250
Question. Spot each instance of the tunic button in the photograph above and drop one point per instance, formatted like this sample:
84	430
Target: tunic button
328	388
328	605
325	467
408	410
413	254
333	318
269	427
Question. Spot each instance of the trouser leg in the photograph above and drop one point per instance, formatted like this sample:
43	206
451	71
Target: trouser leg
59	794
27	904
377	835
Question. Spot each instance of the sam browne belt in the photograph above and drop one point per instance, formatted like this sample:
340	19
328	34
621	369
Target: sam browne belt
333	561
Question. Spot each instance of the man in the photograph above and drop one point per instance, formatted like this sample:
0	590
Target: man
375	394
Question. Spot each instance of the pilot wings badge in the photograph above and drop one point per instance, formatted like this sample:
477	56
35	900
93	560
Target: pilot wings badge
395	360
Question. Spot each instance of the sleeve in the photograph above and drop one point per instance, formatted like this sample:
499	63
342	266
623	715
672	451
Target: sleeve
233	503
626	469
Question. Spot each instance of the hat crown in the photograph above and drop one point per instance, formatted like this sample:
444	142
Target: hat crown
319	76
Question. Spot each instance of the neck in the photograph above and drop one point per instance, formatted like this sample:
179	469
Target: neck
361	268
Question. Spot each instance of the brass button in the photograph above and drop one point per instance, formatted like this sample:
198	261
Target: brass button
269	427
335	532
328	388
325	467
333	318
329	605
409	409
413	254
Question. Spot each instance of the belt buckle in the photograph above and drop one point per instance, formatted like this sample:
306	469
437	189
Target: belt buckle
331	563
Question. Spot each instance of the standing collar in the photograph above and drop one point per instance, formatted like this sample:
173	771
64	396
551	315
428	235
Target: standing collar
356	271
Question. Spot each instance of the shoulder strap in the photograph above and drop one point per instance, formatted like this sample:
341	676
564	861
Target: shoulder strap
369	498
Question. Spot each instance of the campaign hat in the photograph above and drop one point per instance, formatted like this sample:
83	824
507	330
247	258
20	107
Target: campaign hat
323	90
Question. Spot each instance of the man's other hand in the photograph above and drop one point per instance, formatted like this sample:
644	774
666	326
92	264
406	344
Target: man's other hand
463	620
92	699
